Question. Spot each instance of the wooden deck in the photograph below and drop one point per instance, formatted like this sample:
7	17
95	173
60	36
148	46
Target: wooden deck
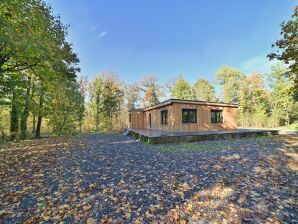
158	136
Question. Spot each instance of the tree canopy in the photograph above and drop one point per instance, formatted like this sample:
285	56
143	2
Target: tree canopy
181	89
38	69
229	78
288	45
203	90
41	93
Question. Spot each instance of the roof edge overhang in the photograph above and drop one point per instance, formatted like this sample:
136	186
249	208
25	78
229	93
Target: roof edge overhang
135	109
194	102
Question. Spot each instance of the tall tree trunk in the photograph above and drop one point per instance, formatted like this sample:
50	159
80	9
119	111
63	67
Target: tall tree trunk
25	114
14	117
33	124
3	137
39	117
80	124
97	117
110	122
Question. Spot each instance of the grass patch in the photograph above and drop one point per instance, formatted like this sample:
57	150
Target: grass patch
192	146
291	127
212	145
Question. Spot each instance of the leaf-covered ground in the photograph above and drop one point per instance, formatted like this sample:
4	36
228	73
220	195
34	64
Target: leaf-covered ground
114	179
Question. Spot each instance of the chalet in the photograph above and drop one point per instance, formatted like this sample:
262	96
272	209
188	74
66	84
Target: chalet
175	115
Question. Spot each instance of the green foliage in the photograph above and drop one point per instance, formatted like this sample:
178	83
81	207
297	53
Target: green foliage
28	34
288	45
254	101
81	100
106	97
35	62
152	91
230	79
204	91
64	107
95	96
112	96
181	90
284	108
38	81
132	95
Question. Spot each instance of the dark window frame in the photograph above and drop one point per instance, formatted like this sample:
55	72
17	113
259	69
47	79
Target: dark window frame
164	120
189	112
129	117
218	117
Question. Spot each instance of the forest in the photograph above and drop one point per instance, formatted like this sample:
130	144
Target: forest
42	90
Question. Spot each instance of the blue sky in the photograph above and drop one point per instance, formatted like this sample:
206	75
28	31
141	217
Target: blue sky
135	38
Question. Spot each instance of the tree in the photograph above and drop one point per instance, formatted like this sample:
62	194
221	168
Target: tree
34	56
204	91
254	101
285	108
152	91
26	110
288	45
181	89
112	97
106	96
65	107
96	89
132	95
230	79
28	33
83	90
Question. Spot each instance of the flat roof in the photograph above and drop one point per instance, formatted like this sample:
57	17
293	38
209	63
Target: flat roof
171	101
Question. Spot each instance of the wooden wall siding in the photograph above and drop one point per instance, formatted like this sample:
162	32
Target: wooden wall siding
137	119
140	119
156	119
204	118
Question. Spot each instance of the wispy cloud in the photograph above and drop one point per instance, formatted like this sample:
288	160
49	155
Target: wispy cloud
257	64
103	34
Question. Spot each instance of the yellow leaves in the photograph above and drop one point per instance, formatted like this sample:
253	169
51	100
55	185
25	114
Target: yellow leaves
181	194
82	195
153	208
173	216
148	214
86	207
223	213
185	186
91	186
241	199
62	208
188	207
224	221
57	193
46	217
127	215
91	221
138	220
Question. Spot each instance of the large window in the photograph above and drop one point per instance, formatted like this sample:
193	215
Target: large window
164	117
216	116
189	116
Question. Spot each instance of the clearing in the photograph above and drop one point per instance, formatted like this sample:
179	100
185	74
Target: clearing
110	178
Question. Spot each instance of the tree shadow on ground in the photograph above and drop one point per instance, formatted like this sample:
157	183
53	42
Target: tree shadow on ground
114	179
